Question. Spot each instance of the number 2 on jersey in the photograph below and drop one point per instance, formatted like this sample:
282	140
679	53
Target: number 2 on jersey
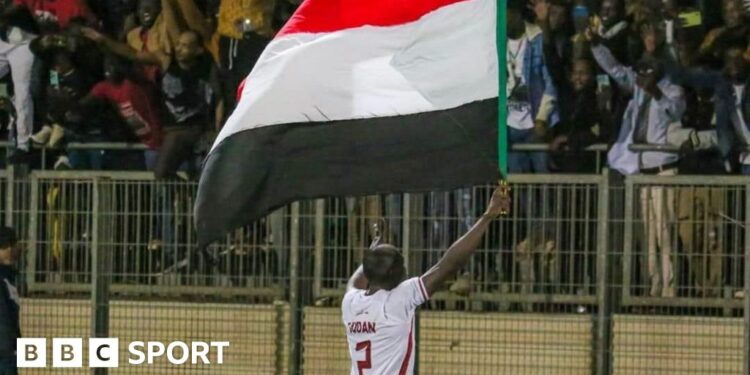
367	363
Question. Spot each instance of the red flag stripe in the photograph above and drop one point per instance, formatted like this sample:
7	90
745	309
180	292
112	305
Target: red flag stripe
321	16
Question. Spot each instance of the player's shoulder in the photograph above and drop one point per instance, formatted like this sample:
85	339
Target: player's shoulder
410	285
351	293
350	297
410	289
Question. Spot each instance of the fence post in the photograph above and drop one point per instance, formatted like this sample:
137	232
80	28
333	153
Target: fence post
627	247
10	183
295	306
100	265
406	229
604	315
280	341
31	248
746	349
320	206
406	249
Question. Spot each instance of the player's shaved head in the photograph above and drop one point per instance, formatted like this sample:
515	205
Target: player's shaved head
384	267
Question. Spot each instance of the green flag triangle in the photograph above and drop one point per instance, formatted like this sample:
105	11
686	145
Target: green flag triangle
502	99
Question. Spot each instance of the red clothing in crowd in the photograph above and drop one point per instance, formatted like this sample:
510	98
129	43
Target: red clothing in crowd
61	11
136	107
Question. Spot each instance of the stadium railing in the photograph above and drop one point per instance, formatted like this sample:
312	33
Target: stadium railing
572	256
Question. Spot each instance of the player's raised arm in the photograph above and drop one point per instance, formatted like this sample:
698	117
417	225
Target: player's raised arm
459	253
358	280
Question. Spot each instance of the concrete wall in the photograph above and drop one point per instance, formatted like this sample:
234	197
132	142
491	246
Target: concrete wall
450	342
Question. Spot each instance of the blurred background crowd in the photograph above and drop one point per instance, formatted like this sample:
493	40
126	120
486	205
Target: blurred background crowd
669	74
163	73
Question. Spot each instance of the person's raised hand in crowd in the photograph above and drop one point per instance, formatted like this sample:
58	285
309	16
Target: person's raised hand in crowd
592	31
710	40
92	34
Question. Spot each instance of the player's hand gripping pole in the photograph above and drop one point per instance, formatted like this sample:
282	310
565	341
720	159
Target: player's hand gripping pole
504	188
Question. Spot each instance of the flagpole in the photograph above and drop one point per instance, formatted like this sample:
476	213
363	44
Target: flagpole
502	99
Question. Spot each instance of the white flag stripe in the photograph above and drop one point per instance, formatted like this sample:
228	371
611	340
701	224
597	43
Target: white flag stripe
442	61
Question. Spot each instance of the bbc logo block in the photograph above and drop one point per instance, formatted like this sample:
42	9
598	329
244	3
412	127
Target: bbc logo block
104	352
67	352
31	353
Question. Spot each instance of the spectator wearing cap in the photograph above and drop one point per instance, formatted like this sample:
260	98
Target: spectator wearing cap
657	104
10	325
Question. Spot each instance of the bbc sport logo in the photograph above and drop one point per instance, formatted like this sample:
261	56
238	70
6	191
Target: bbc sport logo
105	352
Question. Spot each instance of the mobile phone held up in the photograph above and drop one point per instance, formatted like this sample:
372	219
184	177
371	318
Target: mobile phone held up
691	18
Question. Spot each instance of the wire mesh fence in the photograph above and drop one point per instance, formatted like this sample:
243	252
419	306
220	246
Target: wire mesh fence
682	300
587	275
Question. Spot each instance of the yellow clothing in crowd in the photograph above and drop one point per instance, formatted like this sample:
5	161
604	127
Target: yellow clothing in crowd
259	12
176	16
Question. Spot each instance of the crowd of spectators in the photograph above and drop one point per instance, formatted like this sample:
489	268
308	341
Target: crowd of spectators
624	72
663	84
163	73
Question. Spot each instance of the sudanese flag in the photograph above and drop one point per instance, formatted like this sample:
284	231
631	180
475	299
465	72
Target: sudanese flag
358	97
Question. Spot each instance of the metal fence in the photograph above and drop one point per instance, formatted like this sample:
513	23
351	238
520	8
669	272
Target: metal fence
589	274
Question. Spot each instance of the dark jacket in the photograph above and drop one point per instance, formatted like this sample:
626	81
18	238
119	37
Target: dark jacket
724	103
10	327
583	124
581	119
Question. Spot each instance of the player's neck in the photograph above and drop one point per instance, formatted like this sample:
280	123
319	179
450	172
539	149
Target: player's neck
372	290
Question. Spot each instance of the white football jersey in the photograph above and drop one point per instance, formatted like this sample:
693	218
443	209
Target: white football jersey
380	328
